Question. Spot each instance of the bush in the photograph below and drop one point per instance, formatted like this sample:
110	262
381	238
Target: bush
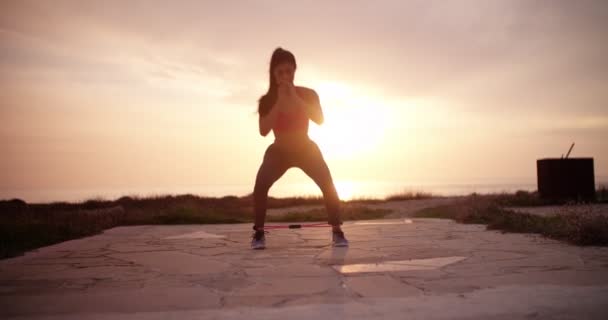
578	228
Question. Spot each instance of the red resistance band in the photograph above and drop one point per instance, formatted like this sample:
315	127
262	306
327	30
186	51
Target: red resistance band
298	226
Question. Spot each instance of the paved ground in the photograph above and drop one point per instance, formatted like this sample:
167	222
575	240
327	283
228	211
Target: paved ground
596	208
394	269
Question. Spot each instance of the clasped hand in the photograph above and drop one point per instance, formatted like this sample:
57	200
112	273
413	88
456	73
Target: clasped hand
286	96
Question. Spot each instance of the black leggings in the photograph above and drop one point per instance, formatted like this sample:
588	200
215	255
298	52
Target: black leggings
308	157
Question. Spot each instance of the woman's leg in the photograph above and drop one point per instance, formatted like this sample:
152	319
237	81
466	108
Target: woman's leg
315	167
272	168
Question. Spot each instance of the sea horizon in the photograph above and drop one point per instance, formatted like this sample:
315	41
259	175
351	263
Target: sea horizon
348	190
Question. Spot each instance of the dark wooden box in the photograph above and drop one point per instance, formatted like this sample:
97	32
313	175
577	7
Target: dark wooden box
566	179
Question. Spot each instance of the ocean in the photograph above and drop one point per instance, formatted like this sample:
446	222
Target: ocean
346	189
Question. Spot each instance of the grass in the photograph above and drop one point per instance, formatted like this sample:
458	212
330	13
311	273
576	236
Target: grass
602	194
30	229
410	195
26	226
400	196
583	229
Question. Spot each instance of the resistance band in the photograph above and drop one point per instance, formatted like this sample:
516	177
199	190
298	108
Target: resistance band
298	226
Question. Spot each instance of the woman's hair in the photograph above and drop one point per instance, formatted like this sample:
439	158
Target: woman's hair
279	56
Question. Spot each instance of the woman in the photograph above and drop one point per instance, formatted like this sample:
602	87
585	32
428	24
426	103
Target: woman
285	109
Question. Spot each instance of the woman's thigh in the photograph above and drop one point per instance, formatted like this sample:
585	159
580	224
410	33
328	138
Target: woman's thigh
314	165
274	165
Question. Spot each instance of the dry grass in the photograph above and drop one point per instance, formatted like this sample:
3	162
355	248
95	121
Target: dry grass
586	228
410	195
27	226
602	193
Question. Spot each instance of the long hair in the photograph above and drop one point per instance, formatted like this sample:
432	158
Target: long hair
266	101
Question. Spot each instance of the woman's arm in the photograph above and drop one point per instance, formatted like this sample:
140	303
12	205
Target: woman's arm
267	121
311	104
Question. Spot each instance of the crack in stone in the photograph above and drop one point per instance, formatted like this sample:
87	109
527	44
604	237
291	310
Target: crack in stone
422	289
222	301
284	301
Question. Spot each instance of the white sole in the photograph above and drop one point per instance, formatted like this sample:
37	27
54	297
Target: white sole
339	245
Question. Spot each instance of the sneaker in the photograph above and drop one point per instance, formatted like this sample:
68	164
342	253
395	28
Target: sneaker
258	240
338	239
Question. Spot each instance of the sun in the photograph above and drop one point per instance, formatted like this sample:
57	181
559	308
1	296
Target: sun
354	123
346	189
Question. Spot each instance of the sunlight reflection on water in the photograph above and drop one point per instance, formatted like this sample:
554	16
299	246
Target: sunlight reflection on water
347	190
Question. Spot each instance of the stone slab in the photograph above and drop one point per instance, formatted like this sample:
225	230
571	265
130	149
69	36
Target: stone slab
438	265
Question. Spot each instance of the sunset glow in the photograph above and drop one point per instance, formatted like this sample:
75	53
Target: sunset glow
346	189
143	96
354	123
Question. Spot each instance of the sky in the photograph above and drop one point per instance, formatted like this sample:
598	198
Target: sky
137	95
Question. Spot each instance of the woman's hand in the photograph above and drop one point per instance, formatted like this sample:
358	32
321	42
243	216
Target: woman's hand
290	89
286	95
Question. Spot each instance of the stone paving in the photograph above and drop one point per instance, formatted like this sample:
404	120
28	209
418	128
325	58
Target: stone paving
595	209
393	269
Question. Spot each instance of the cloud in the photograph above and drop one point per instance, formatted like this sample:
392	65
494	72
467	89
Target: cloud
496	69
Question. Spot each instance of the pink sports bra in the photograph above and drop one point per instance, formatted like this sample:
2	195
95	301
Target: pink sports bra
293	121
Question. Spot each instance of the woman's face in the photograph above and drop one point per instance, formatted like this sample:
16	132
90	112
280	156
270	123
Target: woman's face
284	72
